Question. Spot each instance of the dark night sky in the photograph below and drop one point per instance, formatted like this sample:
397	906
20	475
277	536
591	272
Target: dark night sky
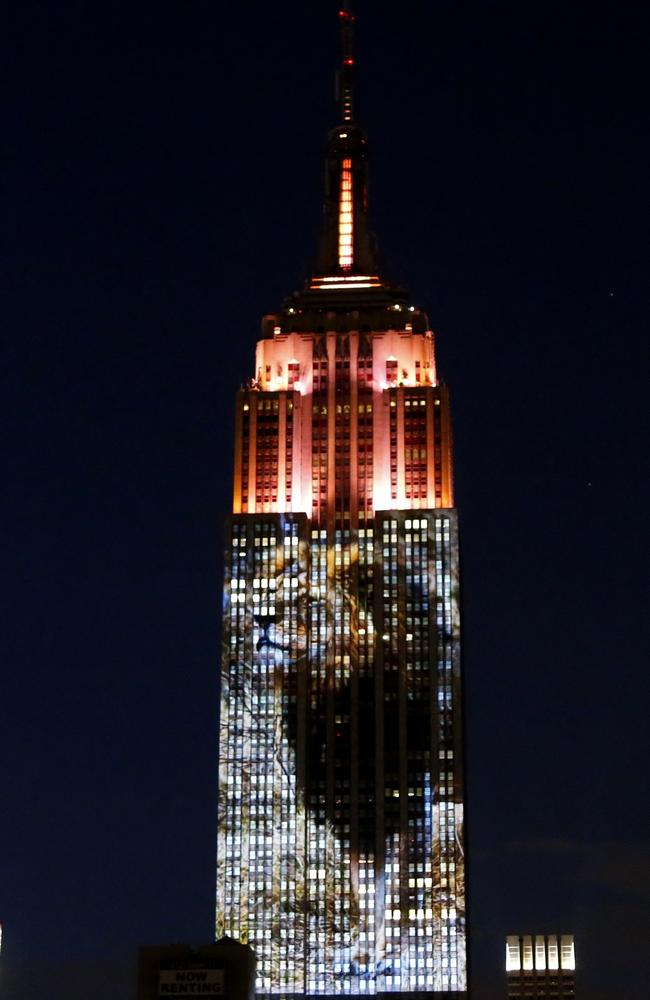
161	178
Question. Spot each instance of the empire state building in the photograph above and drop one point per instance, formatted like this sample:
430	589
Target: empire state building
340	825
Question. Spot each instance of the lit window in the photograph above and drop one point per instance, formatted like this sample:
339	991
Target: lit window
346	225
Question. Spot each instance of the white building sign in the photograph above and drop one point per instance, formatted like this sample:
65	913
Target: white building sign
194	982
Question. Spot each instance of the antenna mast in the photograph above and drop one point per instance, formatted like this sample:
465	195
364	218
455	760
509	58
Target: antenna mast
346	72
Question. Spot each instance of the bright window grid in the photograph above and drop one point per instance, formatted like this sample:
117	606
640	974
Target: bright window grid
259	860
449	961
450	911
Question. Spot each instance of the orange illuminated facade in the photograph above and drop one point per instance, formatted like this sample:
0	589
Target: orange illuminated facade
382	385
341	823
346	217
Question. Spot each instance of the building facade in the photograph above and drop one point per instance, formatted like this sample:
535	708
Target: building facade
540	966
340	840
225	970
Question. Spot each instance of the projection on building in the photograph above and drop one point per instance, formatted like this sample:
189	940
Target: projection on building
340	837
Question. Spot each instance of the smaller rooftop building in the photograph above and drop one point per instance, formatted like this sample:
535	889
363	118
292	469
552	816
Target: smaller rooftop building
540	965
225	970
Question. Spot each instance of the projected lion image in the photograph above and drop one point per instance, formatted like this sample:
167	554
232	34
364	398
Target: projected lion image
323	869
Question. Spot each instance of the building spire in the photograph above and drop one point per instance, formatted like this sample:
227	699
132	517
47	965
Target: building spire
347	260
347	246
346	71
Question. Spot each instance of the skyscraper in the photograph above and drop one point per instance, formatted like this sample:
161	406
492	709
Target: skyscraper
540	966
340	842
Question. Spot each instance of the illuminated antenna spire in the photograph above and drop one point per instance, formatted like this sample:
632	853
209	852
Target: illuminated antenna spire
346	72
347	247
